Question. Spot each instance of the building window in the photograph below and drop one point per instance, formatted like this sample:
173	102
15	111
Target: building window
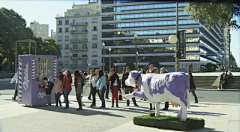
66	22
84	46
94	62
75	46
94	20
97	12
66	46
59	38
60	22
94	45
94	37
84	20
86	13
66	30
66	38
94	54
75	55
94	28
59	30
84	55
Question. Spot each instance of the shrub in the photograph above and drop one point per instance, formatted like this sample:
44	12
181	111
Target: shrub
168	122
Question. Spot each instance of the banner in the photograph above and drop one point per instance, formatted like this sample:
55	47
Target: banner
182	44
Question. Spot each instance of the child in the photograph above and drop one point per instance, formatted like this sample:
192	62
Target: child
48	86
58	91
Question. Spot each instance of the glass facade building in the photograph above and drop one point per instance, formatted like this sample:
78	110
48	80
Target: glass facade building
154	22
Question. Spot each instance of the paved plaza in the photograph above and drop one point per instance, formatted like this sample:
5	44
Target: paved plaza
18	118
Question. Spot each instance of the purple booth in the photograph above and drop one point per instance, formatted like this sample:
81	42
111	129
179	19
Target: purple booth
32	69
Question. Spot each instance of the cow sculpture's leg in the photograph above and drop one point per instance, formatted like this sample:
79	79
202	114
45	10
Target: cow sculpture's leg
179	113
157	113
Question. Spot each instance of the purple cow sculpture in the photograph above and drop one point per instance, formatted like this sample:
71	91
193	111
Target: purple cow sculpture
172	87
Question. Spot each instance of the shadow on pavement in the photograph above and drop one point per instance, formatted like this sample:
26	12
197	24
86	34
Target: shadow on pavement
197	106
199	113
205	130
84	112
217	104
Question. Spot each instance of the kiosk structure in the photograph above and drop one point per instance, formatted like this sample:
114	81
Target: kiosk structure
32	69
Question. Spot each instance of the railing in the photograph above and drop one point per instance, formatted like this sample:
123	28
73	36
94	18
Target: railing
78	40
78	48
79	23
79	31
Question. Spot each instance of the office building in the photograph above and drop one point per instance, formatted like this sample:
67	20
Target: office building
79	35
39	30
153	22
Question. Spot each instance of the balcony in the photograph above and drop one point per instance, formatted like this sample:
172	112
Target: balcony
79	40
66	56
78	57
78	65
79	24
78	31
79	49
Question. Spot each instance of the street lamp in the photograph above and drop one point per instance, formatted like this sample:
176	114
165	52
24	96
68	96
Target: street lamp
89	67
109	59
103	44
115	66
136	58
177	43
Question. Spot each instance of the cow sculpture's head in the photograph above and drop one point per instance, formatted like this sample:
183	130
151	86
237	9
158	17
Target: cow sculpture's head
134	79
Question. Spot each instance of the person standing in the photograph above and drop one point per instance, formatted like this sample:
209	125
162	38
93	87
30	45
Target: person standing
128	89
93	81
115	86
15	79
162	71
151	70
78	82
67	82
101	86
58	90
107	85
48	86
192	87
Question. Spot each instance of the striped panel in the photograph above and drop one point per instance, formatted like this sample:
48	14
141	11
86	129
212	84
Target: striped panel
54	68
33	68
20	82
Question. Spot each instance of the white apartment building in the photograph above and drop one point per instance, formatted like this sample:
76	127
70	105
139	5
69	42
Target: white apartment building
79	33
53	35
40	30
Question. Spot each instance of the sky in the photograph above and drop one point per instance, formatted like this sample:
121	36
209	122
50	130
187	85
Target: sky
45	11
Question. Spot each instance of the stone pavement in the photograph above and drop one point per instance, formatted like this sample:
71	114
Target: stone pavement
18	118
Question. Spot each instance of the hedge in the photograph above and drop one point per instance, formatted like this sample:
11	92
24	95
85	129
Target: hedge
169	122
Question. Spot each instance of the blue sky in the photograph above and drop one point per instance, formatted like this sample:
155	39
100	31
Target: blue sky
45	11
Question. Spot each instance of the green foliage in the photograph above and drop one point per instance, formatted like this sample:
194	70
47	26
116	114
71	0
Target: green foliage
213	13
13	28
168	122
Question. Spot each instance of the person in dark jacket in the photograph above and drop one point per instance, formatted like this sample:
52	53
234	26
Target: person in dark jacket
115	86
151	70
192	87
128	89
78	82
107	82
48	86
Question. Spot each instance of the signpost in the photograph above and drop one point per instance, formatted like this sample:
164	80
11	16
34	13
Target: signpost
182	44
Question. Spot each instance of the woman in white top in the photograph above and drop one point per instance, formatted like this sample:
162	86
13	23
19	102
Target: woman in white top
93	81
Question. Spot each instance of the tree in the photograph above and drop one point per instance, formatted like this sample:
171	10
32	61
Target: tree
213	13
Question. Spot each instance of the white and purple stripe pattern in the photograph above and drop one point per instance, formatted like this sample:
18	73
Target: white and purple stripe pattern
20	80
33	68
54	68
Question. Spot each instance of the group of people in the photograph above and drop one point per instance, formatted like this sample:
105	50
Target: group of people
101	84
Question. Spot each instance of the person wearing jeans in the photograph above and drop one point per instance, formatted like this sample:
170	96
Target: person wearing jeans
48	86
67	81
101	85
93	80
107	85
78	82
15	79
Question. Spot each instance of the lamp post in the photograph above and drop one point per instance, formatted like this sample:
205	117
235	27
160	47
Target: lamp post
109	59
103	44
115	67
136	58
89	67
177	43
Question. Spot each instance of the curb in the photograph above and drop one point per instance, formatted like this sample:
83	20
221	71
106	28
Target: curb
206	89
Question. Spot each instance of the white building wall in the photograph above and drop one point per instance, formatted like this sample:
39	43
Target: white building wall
94	49
40	30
